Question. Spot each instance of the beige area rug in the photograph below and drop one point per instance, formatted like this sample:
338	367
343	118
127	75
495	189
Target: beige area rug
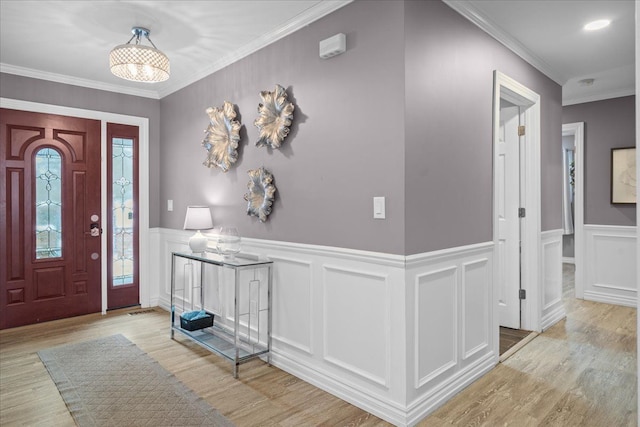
111	382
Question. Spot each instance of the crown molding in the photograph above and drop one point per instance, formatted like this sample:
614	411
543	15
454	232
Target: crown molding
302	20
474	15
599	96
305	18
76	81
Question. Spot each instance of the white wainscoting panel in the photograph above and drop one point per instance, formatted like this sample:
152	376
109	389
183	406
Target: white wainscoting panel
293	299
436	324
452	322
476	295
345	330
396	336
610	264
551	273
356	322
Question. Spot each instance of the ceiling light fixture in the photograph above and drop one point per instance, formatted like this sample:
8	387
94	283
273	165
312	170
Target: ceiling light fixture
597	25
586	82
137	62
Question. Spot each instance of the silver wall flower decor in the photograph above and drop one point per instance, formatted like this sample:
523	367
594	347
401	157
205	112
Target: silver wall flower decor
276	114
261	193
222	137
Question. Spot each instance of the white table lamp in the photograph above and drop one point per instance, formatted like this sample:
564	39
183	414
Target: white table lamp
198	218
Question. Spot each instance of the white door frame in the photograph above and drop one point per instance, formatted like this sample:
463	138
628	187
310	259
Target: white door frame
577	131
143	195
531	307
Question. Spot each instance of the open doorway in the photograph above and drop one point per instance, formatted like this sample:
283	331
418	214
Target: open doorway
574	133
568	198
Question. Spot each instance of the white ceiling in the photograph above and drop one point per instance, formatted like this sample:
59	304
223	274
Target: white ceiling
69	41
549	34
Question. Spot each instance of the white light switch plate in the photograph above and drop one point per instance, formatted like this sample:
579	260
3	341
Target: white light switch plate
170	205
379	208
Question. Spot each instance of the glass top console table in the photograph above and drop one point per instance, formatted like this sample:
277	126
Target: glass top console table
235	296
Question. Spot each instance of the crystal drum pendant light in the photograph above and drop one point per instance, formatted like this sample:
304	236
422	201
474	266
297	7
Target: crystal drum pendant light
137	62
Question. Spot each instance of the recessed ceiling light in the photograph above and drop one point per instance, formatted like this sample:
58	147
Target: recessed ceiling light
586	82
597	25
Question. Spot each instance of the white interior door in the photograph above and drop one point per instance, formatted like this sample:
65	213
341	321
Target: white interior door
508	195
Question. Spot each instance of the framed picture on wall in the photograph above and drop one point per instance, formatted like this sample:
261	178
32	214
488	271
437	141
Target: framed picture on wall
623	175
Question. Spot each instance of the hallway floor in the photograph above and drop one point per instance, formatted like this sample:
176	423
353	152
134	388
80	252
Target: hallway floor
580	372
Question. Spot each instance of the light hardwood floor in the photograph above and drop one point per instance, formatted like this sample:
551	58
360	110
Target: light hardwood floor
581	372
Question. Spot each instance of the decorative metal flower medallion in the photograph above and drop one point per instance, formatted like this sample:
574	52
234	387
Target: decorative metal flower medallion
222	137
275	117
261	193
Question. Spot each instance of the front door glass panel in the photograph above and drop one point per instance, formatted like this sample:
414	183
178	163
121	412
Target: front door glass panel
48	203
123	210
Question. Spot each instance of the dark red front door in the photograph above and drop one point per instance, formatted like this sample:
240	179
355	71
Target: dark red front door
49	217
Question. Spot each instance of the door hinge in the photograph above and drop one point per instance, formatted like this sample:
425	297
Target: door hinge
522	212
523	294
520	130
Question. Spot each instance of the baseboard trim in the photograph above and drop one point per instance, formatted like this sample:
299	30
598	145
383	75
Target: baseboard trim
610	299
423	406
394	414
553	317
164	303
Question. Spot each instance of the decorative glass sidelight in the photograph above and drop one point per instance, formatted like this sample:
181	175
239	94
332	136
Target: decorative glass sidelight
48	203
123	211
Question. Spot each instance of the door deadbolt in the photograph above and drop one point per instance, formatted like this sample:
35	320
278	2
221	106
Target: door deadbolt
96	231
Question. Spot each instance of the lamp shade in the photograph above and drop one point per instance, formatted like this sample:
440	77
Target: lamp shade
198	218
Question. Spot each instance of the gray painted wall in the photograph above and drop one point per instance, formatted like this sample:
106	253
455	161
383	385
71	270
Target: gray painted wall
405	113
449	91
346	145
608	124
46	92
349	144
